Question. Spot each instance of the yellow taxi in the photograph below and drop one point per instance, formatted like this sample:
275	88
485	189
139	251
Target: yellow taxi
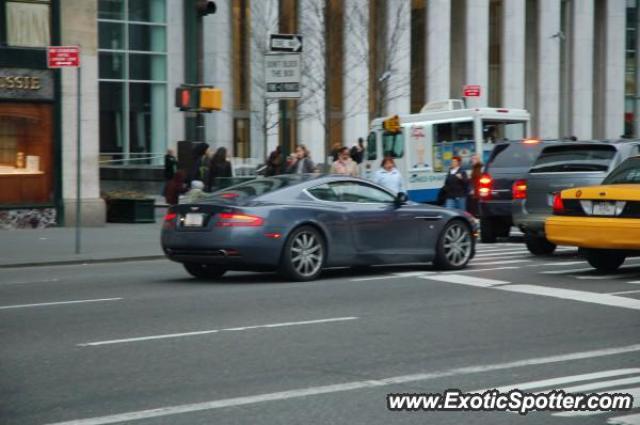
603	221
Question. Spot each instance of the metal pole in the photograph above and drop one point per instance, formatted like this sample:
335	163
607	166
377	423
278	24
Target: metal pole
636	100
78	161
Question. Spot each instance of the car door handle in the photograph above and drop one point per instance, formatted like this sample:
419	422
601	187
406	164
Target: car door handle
428	217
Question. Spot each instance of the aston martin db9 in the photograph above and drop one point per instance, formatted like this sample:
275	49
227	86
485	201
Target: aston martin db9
300	224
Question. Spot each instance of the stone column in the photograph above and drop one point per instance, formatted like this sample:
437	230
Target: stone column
79	27
311	110
218	66
513	58
549	39
477	50
582	39
614	68
438	49
356	71
398	85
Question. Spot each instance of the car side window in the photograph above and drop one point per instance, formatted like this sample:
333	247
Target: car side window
324	193
359	192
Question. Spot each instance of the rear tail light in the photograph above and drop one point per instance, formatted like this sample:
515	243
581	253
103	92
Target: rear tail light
519	189
531	141
239	220
484	186
229	195
170	216
558	205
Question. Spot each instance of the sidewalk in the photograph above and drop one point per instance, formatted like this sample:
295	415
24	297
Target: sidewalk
56	245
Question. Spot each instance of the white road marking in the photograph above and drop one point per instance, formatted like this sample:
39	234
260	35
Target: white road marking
482	270
625	420
30	281
565	263
635	282
212	331
602	276
493	263
8	307
343	387
569	271
569	294
504	254
635	291
600	385
554	382
507	250
466	280
634	392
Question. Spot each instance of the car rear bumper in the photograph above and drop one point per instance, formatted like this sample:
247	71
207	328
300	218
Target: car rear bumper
527	221
495	208
594	232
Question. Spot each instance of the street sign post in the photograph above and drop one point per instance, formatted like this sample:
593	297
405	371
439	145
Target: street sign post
69	57
471	90
282	76
286	43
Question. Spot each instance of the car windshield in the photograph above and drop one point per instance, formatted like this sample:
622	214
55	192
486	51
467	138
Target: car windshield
574	158
514	155
254	188
627	172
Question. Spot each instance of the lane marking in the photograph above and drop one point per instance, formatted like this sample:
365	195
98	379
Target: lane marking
634	392
604	276
343	387
570	294
505	254
635	291
482	270
568	271
8	307
493	263
565	263
466	280
31	281
212	331
600	385
625	420
554	382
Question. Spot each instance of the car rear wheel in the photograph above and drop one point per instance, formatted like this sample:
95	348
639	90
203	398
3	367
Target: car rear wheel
604	260
455	246
491	228
204	271
303	255
538	245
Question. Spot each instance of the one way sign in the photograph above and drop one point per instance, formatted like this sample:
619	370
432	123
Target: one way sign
290	43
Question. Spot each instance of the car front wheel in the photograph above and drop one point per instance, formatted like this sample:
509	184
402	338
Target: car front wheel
304	254
455	246
204	271
604	260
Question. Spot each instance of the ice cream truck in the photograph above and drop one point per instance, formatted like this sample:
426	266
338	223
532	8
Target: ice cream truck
423	144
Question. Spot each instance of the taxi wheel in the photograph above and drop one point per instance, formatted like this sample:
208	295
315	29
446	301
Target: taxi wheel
204	271
604	260
538	245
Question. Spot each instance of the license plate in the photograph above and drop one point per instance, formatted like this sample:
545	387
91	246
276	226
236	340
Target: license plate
604	208
193	220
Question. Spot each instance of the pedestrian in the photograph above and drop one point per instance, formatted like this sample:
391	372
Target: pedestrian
219	167
176	186
455	186
301	162
335	151
196	193
170	167
357	151
199	166
474	183
344	164
275	162
388	176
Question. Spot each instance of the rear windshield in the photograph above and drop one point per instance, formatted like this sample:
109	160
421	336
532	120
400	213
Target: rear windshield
572	158
627	172
253	188
514	155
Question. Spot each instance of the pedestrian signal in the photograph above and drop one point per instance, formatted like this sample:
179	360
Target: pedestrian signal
392	125
187	98
198	99
210	99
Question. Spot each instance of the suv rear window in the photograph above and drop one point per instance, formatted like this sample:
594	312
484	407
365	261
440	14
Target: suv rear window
573	158
627	172
514	155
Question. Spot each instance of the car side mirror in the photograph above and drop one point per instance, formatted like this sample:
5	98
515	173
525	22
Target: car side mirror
401	199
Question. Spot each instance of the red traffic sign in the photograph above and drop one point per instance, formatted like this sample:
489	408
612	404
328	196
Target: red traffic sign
63	56
471	91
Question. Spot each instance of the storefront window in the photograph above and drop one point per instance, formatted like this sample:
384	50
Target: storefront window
28	23
132	43
25	154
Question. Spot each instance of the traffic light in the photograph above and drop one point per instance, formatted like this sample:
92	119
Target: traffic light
198	99
206	7
210	99
187	98
392	125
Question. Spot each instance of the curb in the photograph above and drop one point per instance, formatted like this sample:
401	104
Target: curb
82	261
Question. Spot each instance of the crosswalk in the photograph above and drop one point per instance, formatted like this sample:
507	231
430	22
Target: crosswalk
615	381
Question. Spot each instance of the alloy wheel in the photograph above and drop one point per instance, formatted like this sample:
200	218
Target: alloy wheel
457	245
306	254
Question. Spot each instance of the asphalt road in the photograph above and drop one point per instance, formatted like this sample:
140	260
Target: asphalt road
143	343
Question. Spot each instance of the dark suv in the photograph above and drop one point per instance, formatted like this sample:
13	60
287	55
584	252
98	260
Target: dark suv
509	161
559	167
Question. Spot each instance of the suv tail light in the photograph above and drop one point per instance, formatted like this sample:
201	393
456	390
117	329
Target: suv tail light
519	189
484	186
239	220
170	216
558	205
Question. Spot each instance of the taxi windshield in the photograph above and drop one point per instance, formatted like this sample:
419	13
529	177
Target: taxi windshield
625	173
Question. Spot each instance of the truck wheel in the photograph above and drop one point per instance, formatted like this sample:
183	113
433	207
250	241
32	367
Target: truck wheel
603	260
488	230
538	245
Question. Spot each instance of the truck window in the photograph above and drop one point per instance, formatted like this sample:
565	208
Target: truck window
393	144
452	139
372	147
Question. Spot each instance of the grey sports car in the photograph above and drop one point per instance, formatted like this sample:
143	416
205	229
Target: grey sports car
300	224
